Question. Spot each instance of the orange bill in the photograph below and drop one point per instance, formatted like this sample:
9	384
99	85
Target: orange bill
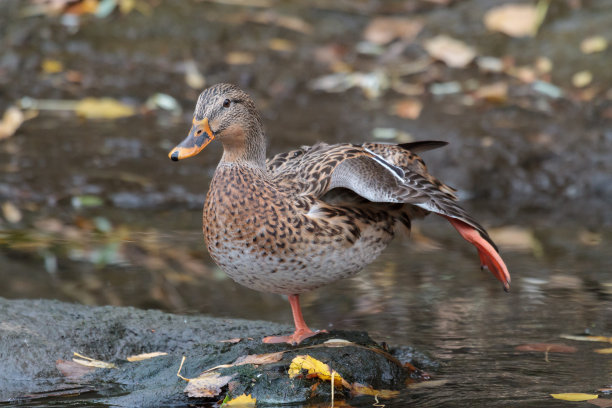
199	137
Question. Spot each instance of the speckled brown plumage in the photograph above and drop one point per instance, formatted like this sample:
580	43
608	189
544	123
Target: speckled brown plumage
311	216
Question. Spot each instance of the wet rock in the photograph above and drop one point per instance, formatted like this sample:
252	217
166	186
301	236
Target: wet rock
39	338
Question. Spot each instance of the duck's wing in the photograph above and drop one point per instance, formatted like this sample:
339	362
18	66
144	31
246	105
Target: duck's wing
382	173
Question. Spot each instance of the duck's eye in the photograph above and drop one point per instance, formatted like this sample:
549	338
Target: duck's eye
227	103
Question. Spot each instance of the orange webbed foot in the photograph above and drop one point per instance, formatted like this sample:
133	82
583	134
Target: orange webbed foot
294	339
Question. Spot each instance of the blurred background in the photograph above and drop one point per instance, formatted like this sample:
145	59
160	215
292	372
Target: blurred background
94	93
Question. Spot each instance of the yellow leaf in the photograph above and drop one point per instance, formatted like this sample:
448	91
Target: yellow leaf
239	58
242	401
103	108
604	350
594	44
587	338
582	79
146	356
51	66
90	362
367	390
574	396
313	366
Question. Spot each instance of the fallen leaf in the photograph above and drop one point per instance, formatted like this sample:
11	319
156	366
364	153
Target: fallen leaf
51	66
361	389
313	367
281	45
90	362
11	212
587	338
383	30
593	44
103	108
146	356
582	79
243	401
515	20
408	108
543	65
234	340
574	396
258	359
239	58
452	52
604	350
292	23
546	347
427	384
207	385
601	402
496	92
193	77
72	370
11	120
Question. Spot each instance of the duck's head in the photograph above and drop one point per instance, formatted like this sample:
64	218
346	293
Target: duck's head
227	113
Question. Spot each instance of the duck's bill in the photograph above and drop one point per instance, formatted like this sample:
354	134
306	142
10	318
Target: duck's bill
199	137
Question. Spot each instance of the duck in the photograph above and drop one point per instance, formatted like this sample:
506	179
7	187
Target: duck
311	216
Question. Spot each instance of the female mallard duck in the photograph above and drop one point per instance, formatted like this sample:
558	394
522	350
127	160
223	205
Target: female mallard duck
311	216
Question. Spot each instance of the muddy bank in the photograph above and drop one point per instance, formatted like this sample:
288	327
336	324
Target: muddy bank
39	339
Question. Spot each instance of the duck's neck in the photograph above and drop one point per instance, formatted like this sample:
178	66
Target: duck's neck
244	146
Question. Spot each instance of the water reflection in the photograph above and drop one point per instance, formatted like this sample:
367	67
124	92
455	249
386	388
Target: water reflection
428	292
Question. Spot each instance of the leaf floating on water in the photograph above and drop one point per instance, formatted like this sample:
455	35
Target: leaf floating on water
361	389
604	350
587	338
574	396
242	401
145	356
207	385
454	53
546	347
103	108
90	362
515	20
593	44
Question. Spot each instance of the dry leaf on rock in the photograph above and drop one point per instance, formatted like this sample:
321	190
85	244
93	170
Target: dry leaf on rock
146	356
72	370
90	362
593	44
515	20
452	52
242	401
383	30
574	396
258	359
207	385
313	367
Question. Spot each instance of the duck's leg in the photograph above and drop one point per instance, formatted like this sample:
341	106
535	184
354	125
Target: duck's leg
302	331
